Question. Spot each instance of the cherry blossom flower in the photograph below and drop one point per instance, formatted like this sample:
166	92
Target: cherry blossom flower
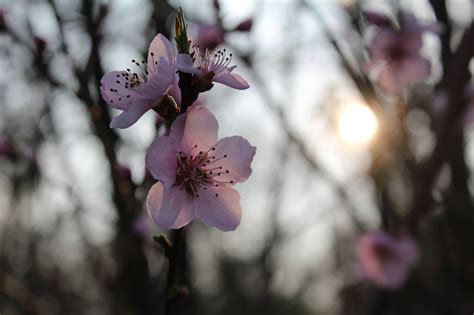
386	260
196	172
211	66
395	58
136	93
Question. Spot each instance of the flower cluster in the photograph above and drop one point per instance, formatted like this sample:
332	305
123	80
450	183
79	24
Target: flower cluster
395	59
385	259
194	170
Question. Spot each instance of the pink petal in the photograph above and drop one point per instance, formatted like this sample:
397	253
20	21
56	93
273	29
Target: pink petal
159	80
218	207
161	161
414	69
376	18
389	271
233	156
231	79
367	257
112	88
383	42
408	251
130	115
169	208
433	27
389	79
393	275
197	127
185	63
161	48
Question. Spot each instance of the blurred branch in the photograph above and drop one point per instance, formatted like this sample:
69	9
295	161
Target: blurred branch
441	12
276	108
456	76
363	86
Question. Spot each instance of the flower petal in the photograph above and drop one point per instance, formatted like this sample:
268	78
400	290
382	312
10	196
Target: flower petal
185	63
408	251
161	48
161	161
389	79
231	79
233	156
112	88
169	208
414	69
219	207
197	127
130	115
161	78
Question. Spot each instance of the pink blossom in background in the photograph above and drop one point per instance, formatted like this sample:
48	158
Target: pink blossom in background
245	25
378	19
208	36
136	93
395	59
196	172
213	66
386	260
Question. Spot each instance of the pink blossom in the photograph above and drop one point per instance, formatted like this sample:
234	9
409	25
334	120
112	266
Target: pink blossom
208	36
196	172
213	66
386	260
136	93
395	58
244	26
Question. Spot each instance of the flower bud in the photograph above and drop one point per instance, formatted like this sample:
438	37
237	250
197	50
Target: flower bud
377	19
245	25
182	42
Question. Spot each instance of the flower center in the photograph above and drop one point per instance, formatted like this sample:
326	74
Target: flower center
384	252
200	171
212	61
398	51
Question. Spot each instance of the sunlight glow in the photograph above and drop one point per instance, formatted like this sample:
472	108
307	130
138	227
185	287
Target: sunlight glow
357	123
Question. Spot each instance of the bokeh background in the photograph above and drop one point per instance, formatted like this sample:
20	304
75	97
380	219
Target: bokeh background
74	235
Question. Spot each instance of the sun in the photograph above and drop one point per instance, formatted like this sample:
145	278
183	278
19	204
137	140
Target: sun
357	123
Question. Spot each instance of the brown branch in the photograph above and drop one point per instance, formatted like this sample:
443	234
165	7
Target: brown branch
457	77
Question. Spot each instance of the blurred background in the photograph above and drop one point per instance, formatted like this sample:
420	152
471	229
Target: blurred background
335	158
